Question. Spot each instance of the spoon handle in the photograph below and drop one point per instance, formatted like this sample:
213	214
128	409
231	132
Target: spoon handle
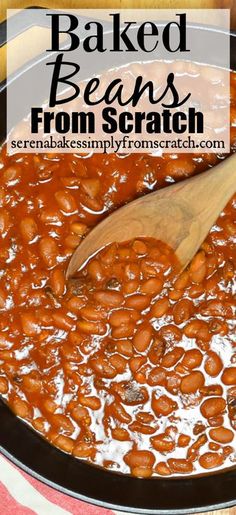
180	215
209	192
205	195
216	186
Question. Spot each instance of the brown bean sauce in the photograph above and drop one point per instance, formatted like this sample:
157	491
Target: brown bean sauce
130	365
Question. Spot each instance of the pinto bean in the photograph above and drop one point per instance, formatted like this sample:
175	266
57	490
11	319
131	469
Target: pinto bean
197	329
180	466
78	228
102	367
157	350
119	413
143	337
192	453
231	405
66	201
157	377
213	389
71	242
170	333
192	358
138	301
12	173
142	472
213	407
139	247
192	382
57	282
80	413
160	308
95	270
144	429
163	405
162	469
182	281
32	383
91	402
173	382
216	308
120	434
51	217
62	423
136	363
111	299
118	362
182	311
92	314
30	324
211	460
163	443
152	286
75	304
183	440
91	187
221	434
90	327
198	267
120	317
62	320
48	251
3	385
213	364
172	357
84	450
28	228
130	286
125	347
124	331
229	376
64	443
143	459
3	298
216	421
21	408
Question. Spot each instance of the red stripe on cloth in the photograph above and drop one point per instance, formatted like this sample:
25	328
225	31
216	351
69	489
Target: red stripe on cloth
75	506
8	505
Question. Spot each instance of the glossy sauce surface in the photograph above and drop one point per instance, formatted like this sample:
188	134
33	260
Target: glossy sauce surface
129	366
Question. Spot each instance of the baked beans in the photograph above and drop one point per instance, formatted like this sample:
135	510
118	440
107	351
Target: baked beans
129	365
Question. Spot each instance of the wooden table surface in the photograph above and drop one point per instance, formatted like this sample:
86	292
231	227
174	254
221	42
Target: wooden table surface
146	4
132	4
122	4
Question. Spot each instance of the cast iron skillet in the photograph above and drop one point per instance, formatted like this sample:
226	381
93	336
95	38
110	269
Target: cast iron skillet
89	483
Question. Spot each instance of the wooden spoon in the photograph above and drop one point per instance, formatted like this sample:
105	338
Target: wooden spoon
181	215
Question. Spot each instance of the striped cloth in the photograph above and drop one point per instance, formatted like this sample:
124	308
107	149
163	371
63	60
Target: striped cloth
20	494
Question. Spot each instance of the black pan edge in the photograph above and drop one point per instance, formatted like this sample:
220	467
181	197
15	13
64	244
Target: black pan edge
102	504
